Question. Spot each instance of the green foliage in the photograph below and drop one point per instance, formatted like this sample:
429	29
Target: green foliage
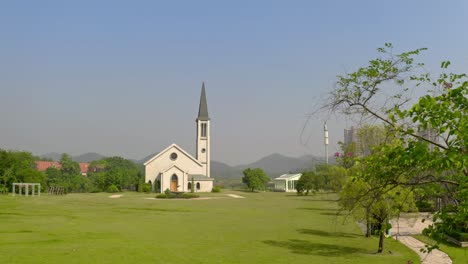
306	183
117	171
216	189
112	189
19	166
255	179
432	134
177	195
144	187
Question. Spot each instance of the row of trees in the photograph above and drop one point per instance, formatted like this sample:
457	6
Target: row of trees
108	174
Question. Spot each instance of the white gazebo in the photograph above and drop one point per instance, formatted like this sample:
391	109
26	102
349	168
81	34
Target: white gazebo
287	182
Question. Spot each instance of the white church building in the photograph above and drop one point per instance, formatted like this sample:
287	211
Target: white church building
175	169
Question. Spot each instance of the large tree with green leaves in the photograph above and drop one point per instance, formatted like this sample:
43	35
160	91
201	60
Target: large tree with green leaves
18	166
115	171
433	131
255	179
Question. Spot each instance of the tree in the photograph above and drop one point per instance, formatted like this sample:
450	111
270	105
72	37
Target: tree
432	132
122	173
19	166
255	179
305	184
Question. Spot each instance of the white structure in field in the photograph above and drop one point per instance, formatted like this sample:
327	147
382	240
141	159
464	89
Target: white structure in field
175	169
26	186
287	182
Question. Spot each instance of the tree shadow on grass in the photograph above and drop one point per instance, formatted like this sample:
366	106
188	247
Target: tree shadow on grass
318	209
326	234
305	247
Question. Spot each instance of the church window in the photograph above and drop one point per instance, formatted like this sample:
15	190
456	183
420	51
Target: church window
189	186
173	156
203	150
198	186
203	129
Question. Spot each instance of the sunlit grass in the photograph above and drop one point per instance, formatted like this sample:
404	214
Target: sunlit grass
262	228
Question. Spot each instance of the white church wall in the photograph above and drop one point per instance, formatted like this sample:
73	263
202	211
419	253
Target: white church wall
205	186
164	162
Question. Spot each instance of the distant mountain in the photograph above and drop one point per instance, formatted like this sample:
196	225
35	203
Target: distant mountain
51	156
145	159
276	164
221	170
88	157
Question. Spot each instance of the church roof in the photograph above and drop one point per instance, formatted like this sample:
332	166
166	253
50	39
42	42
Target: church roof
199	177
203	109
171	147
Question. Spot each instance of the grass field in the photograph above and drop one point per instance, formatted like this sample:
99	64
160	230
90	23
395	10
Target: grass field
262	228
457	254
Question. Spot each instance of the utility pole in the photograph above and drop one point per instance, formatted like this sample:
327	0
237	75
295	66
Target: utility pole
325	130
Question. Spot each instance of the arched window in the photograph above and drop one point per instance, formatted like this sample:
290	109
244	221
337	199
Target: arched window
189	186
150	182
198	186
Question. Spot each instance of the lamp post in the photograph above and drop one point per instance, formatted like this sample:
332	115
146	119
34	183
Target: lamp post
325	130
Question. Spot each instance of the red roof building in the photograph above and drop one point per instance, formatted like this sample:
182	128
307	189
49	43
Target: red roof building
44	165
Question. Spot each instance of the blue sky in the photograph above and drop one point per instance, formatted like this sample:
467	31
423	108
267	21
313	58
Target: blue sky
124	77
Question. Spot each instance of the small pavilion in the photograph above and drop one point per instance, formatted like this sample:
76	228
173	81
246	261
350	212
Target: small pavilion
287	182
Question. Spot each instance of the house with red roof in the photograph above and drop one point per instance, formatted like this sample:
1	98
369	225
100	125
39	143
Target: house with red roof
42	165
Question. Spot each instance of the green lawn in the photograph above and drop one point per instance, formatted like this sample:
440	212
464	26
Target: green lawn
263	228
457	254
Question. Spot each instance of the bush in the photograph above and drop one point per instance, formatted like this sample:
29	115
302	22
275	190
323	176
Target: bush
144	187
216	189
460	236
112	189
177	196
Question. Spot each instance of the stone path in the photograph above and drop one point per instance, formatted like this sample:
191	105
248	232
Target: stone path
435	257
412	224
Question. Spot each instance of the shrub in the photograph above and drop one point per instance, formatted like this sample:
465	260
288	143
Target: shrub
177	196
112	189
216	189
460	236
187	195
144	187
167	191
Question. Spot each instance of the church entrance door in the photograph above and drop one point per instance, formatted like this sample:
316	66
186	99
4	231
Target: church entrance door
174	183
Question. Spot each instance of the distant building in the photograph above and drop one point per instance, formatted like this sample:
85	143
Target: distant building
42	165
287	182
429	134
351	135
175	169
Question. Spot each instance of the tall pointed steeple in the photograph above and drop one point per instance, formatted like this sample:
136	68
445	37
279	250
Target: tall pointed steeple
203	110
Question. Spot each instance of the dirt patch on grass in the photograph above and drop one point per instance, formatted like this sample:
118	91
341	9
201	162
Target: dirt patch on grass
116	196
235	196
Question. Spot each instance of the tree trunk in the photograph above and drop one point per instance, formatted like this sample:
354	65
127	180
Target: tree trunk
381	239
368	225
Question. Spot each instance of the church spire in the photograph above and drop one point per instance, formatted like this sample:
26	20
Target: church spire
203	110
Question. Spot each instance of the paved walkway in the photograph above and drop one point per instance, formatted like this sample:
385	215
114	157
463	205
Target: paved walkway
412	224
435	257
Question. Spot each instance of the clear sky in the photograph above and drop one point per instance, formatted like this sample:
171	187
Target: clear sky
124	77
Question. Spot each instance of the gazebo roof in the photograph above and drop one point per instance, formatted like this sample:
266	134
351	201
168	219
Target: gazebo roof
288	176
